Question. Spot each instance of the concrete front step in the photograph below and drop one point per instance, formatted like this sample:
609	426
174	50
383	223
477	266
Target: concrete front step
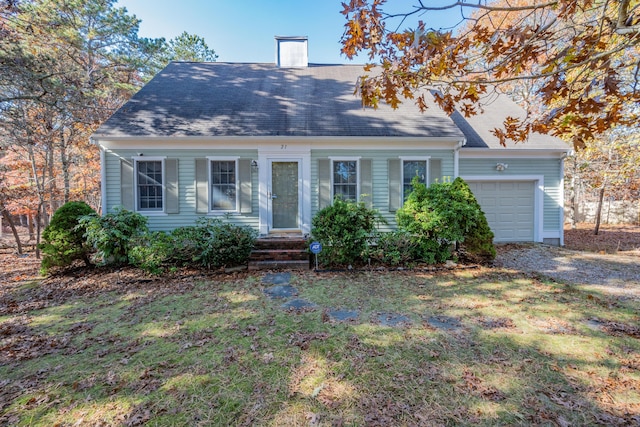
266	243
279	255
280	252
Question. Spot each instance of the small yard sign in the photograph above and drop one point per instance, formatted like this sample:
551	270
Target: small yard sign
316	248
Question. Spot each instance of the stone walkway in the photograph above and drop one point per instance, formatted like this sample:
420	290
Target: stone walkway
279	288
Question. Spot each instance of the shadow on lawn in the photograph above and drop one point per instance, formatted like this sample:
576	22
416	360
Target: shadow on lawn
214	350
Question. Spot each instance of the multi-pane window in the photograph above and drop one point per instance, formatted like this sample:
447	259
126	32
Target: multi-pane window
223	185
345	179
411	169
149	182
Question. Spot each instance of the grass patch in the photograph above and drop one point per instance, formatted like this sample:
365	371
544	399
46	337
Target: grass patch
509	349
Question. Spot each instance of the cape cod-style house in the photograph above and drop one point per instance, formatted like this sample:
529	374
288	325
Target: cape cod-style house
268	145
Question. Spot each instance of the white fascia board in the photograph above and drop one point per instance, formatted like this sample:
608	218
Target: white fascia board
522	153
265	142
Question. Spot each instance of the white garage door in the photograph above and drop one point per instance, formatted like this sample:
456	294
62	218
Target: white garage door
509	207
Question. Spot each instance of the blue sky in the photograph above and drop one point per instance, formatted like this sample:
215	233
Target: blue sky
244	30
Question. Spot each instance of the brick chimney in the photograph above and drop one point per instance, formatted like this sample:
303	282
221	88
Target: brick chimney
292	51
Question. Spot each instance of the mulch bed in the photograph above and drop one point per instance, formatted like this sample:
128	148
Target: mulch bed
612	239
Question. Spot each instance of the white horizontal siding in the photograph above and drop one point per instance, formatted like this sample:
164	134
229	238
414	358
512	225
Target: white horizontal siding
380	182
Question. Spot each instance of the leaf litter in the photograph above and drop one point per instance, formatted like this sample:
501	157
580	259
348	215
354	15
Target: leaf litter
22	341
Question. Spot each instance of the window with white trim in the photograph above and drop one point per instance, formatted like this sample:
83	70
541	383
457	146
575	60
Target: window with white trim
344	178
223	182
149	185
410	169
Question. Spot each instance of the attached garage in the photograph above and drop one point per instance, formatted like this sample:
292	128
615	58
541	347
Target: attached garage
520	186
510	208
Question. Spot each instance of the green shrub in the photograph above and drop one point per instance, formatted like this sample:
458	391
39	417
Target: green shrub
224	244
344	229
114	234
188	243
63	239
152	252
211	243
441	216
395	248
477	245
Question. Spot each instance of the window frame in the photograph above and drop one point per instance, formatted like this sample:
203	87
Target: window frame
345	159
210	160
403	159
136	184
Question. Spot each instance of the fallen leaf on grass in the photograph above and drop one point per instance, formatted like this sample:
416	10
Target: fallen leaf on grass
476	386
565	400
562	421
138	417
496	322
303	340
618	328
267	358
313	418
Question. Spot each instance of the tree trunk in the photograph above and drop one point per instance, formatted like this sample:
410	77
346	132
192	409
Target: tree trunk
7	217
53	202
38	228
599	210
64	161
30	220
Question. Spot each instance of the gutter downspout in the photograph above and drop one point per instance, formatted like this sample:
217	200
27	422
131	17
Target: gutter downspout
456	157
564	156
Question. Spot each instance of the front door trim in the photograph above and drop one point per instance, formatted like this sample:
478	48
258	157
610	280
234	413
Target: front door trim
268	154
271	194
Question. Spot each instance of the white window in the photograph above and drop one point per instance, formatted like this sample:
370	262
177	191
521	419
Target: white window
344	178
149	184
413	167
223	184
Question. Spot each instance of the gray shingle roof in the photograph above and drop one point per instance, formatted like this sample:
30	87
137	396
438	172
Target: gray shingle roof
224	99
477	129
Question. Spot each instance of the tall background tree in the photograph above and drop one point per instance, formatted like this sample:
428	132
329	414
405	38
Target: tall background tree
581	59
573	64
65	67
190	47
606	171
184	47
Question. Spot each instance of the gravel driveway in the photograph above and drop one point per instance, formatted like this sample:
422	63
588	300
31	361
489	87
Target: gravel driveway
617	275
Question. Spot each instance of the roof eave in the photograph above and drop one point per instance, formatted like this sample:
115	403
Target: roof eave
482	152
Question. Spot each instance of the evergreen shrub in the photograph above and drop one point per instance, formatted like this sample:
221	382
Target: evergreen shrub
443	215
114	234
345	230
63	239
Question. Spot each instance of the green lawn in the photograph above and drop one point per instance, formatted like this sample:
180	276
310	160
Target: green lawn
216	351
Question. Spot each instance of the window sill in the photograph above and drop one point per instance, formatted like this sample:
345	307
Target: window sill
223	213
152	213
